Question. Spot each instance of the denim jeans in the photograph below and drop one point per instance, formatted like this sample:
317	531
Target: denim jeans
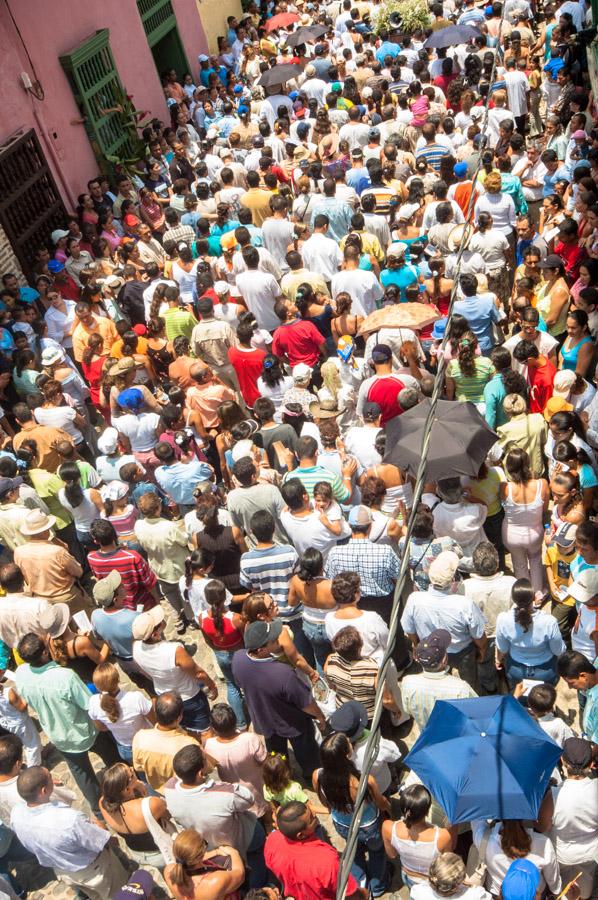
315	632
234	696
258	872
301	643
125	752
516	671
196	713
370	855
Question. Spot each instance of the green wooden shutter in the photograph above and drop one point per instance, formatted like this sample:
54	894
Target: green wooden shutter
158	19
96	85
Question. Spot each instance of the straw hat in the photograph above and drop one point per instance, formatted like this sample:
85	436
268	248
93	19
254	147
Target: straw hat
55	619
36	522
122	367
456	236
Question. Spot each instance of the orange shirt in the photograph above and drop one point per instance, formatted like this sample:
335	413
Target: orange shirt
101	325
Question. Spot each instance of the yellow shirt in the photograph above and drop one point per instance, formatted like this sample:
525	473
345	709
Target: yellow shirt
559	562
154	750
369	243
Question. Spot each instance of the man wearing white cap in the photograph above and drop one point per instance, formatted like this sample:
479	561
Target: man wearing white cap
584	590
109	464
439	607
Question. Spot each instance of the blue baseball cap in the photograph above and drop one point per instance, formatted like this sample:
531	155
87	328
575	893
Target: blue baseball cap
131	399
521	881
55	266
489	10
238	89
460	169
293	95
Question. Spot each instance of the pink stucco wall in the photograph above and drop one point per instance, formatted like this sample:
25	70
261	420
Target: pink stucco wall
51	29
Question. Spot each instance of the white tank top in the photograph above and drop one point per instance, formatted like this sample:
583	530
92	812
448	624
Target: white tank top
416	856
84	514
158	661
527	515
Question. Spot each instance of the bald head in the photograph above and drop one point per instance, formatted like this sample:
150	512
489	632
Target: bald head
200	372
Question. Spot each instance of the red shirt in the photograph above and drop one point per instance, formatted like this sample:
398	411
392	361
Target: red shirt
137	577
385	392
248	366
573	256
540	381
307	869
299	341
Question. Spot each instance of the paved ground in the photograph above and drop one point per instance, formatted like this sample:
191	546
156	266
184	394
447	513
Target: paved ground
41	884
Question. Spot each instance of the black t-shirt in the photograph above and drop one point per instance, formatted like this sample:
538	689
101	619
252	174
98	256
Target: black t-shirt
275	695
266	437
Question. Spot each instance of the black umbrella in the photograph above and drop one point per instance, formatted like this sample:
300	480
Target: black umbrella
452	35
459	442
305	34
280	74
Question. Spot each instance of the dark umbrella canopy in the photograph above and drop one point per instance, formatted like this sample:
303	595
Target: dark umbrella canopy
452	35
280	74
305	34
459	443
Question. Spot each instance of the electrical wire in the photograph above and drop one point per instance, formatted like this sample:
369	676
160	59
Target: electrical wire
371	749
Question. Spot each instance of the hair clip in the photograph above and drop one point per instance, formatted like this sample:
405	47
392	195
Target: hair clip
274	753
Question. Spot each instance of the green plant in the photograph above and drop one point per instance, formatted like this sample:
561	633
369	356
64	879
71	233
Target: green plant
414	14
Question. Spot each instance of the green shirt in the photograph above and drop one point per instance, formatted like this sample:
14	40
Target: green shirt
178	321
310	476
471	387
60	700
47	486
293	791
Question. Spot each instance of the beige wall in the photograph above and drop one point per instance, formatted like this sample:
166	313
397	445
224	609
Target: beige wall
213	15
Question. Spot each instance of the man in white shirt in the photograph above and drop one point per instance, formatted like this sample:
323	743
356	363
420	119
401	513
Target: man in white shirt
360	439
19	613
259	290
421	691
278	232
531	170
315	88
321	253
363	286
518	91
63	839
439	607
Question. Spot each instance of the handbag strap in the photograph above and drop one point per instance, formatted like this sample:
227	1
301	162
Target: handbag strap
484	842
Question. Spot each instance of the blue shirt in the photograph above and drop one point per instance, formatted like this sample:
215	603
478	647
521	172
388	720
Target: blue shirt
550	181
402	278
590	715
494	394
180	480
480	313
388	48
116	628
358	179
533	647
339	215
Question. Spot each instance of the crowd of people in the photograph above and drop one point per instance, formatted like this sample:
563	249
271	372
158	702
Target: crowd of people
200	501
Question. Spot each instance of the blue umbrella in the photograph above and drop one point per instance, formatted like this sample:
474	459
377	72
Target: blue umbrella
484	758
452	35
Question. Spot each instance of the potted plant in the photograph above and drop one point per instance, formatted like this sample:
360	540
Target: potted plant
414	14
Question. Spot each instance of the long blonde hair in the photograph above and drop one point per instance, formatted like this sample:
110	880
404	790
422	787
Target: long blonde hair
106	680
331	378
189	850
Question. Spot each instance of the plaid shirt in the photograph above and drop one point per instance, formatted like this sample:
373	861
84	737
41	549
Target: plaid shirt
376	564
180	233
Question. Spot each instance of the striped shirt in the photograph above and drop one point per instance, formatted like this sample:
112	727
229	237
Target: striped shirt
433	153
353	680
178	321
137	577
471	387
309	476
270	569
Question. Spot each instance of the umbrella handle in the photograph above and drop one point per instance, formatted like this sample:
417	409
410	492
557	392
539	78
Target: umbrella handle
567	888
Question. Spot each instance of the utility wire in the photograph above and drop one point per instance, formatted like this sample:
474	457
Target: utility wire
371	750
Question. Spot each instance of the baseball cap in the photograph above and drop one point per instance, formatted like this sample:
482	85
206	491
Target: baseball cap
460	169
144	624
442	571
577	752
431	651
565	535
552	261
242	449
555	405
371	411
258	141
293	95
238	89
55	266
300	372
521	881
221	288
360	516
139	886
563	382
374	133
9	484
257	634
579	135
585	587
131	399
350	719
108	441
58	234
381	353
114	490
203	57
105	589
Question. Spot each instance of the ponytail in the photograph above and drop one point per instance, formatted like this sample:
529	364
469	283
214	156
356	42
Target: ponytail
106	680
523	596
111	706
70	474
466	354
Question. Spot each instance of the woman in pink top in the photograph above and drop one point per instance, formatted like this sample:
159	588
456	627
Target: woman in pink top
419	105
239	755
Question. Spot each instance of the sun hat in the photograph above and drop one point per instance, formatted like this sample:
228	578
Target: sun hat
51	355
124	365
37	522
325	409
456	236
257	634
114	490
108	441
131	399
105	589
114	282
439	329
146	623
55	619
442	570
58	234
